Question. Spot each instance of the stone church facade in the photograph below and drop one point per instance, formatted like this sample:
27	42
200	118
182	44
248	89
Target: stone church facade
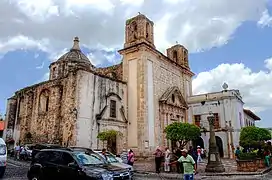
137	97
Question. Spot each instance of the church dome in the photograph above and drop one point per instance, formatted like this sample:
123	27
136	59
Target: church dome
75	55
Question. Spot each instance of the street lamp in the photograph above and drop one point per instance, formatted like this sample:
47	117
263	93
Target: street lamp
214	161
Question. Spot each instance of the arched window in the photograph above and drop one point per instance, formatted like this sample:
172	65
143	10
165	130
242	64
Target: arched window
147	30
185	58
44	101
175	56
134	30
135	26
54	72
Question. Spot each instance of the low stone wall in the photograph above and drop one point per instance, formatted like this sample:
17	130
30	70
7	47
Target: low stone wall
260	163
247	165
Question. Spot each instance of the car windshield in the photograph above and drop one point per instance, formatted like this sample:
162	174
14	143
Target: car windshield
111	158
2	149
88	159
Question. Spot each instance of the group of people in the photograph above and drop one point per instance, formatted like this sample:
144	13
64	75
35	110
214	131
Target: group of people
186	161
20	152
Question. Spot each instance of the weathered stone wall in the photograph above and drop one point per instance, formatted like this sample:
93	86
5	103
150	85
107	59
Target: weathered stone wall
10	118
115	71
166	74
56	124
93	103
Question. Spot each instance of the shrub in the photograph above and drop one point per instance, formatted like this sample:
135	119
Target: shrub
248	156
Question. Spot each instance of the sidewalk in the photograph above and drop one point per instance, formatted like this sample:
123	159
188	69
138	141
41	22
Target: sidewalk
148	167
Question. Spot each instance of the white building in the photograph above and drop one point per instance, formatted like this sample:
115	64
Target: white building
230	117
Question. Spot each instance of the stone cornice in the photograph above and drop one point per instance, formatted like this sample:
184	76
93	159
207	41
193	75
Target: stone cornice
56	82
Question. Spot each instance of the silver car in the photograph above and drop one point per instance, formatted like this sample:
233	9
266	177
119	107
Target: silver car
114	161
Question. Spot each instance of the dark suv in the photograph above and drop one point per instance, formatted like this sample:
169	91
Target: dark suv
37	147
73	165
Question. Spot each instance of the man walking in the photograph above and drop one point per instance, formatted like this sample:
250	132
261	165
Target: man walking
189	165
17	150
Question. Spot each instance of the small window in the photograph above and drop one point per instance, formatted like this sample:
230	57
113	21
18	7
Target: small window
44	101
197	120
147	30
175	56
54	72
47	104
173	98
135	28
112	108
216	121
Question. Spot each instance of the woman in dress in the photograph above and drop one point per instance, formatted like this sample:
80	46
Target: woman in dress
130	158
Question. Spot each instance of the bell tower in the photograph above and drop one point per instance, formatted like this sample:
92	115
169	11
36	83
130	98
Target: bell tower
139	29
178	54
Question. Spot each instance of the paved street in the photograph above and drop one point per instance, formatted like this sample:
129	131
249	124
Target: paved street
17	171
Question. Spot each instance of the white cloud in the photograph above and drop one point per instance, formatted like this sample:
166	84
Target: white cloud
266	19
50	25
103	56
22	42
41	66
255	87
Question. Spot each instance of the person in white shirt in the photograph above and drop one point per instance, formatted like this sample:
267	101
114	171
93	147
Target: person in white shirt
17	150
167	158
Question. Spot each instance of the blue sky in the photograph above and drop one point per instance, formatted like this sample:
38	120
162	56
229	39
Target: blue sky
236	50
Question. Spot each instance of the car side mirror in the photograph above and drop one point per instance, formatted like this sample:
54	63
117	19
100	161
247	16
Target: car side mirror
73	165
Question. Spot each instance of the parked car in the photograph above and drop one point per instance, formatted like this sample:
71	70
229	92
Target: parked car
111	158
3	157
70	165
86	150
38	147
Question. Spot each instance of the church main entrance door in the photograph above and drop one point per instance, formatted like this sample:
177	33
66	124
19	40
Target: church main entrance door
112	145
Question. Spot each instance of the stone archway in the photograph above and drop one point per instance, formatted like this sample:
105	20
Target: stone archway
198	142
219	144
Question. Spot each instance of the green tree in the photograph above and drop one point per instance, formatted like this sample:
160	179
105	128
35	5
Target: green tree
253	136
182	132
